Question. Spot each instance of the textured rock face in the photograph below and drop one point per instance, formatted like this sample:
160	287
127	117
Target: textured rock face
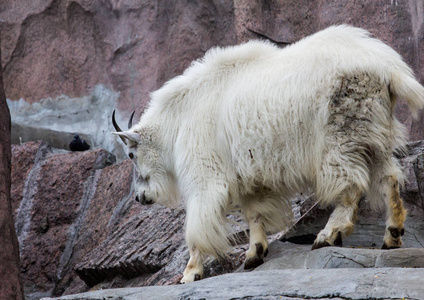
75	214
10	286
285	255
130	48
79	227
72	62
56	121
52	197
384	283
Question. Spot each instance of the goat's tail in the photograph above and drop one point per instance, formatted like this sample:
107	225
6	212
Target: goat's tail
404	85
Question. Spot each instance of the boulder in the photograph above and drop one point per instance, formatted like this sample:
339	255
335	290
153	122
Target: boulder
10	284
81	59
382	283
78	225
78	222
69	64
51	205
148	249
56	120
286	255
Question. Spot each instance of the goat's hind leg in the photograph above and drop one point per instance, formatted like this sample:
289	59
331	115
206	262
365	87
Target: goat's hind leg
396	213
340	223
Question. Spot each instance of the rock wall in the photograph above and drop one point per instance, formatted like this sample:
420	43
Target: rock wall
59	50
10	286
383	283
68	63
75	214
79	227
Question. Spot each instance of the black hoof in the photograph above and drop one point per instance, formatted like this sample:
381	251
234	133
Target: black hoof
259	249
338	242
197	277
253	263
256	261
395	232
320	245
385	247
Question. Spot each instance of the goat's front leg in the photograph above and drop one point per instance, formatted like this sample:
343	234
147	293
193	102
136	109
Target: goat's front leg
194	268
258	247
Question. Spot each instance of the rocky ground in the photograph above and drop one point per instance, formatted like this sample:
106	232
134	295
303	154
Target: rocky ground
80	230
68	64
295	272
384	283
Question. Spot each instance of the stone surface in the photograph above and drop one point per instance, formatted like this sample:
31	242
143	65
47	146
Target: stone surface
78	222
148	249
50	207
59	52
129	46
57	120
286	255
75	213
384	283
160	232
68	64
10	285
111	200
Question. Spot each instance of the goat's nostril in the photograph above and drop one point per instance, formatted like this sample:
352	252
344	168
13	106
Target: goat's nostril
137	198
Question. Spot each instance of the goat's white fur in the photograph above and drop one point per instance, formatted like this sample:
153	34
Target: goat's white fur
249	125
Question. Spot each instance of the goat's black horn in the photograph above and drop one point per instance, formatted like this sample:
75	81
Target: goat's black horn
114	123
117	127
130	121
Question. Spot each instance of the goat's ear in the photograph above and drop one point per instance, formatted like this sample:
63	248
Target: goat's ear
132	136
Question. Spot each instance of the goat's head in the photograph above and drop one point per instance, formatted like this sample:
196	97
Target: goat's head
152	183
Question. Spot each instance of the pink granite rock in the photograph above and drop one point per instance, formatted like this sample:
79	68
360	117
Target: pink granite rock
52	48
71	209
10	284
50	207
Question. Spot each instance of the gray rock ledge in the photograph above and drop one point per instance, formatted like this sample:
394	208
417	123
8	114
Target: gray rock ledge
382	283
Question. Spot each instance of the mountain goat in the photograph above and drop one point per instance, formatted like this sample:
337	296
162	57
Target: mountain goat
248	126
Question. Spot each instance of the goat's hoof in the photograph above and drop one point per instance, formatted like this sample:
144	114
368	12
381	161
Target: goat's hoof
190	278
392	238
386	247
251	263
257	259
320	244
338	242
396	232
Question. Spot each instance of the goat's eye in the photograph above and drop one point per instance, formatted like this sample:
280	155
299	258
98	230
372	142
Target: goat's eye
131	155
147	178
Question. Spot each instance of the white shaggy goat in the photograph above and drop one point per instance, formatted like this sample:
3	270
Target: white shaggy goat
247	126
